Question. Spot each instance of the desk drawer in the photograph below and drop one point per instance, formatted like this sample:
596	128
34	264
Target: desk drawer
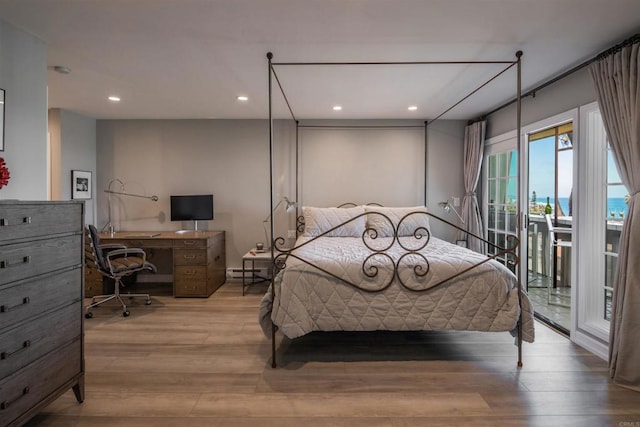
93	282
190	288
24	260
189	256
139	243
21	302
190	243
23	220
189	273
27	387
30	341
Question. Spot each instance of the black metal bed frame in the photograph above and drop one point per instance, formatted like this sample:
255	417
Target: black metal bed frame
370	270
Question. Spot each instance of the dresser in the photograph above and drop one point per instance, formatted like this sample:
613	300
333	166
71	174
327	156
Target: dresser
41	317
198	259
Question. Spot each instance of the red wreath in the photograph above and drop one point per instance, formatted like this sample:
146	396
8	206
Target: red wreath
4	173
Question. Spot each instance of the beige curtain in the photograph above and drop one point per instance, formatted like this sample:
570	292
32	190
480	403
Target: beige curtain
617	83
473	152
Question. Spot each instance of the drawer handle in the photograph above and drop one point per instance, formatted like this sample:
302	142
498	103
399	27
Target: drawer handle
190	273
189	256
5	354
5	308
4	222
5	404
7	264
189	242
217	258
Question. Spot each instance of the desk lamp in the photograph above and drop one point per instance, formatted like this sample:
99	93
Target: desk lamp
122	192
290	207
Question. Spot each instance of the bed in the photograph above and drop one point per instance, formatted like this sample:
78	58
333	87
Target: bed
368	268
372	268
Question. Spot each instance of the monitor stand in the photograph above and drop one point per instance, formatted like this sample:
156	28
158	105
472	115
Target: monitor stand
195	228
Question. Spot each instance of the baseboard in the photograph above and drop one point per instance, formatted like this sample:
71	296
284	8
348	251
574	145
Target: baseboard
591	344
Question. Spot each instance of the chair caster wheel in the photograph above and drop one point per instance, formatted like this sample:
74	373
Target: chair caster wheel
88	315
125	313
148	302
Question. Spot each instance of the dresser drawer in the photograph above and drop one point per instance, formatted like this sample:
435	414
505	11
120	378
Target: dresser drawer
42	335
190	243
27	387
190	288
23	260
189	256
187	273
21	302
23	220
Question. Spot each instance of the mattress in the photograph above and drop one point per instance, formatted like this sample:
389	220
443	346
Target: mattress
404	293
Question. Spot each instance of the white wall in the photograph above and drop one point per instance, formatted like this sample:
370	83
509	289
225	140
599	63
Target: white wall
23	74
230	159
362	165
444	171
564	95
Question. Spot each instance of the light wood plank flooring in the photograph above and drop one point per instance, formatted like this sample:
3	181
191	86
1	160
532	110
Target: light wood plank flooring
204	362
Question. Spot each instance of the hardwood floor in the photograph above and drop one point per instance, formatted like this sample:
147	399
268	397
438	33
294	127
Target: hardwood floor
204	362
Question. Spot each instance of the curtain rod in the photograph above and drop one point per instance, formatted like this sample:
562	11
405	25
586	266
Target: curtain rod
361	126
532	92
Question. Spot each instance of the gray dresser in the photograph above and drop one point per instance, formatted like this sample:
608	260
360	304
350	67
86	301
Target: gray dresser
41	329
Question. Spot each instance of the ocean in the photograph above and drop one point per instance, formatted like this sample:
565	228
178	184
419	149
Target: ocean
615	205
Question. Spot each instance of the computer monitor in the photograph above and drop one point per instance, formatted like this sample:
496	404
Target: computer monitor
192	208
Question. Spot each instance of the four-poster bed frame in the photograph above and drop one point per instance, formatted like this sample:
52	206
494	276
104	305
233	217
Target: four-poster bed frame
279	254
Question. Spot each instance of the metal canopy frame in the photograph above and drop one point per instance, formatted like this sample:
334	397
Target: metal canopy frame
517	63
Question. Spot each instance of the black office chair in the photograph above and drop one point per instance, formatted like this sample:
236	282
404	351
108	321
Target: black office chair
115	262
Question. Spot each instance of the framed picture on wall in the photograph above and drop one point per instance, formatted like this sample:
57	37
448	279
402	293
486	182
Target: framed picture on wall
80	184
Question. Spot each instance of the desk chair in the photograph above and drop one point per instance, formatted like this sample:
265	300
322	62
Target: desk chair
555	243
114	262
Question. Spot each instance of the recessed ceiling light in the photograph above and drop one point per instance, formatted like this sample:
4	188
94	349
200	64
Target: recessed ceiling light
337	108
242	98
412	108
114	98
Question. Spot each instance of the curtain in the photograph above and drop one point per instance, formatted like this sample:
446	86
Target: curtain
617	83
473	153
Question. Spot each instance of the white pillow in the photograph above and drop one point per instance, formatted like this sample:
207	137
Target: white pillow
408	226
319	220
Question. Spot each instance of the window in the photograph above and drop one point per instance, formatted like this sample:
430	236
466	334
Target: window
616	212
502	189
602	197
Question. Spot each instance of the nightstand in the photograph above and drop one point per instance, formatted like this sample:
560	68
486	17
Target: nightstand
251	275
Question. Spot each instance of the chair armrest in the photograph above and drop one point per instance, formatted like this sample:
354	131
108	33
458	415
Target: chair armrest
125	252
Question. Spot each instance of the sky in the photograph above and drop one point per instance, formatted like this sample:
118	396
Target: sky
541	172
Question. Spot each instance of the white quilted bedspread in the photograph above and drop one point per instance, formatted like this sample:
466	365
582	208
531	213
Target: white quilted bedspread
482	299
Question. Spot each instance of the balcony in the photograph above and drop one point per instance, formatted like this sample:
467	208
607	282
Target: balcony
554	301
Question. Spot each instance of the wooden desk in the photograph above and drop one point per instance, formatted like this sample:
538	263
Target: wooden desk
198	259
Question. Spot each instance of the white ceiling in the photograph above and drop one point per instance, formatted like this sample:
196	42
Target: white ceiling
191	58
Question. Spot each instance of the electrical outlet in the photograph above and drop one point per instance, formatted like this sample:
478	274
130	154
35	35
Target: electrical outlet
291	234
456	202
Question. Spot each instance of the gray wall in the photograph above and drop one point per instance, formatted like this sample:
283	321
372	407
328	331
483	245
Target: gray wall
78	152
23	74
226	158
230	159
566	94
